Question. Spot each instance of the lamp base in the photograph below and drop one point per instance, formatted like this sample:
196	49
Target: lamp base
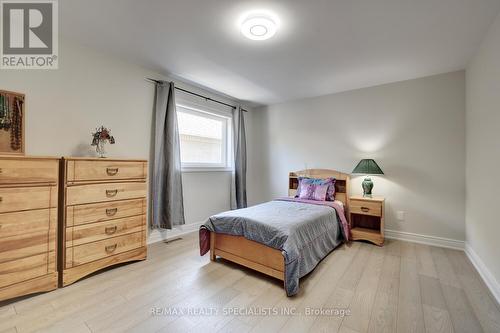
367	187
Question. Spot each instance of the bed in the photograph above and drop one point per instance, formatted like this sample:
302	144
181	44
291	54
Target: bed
285	238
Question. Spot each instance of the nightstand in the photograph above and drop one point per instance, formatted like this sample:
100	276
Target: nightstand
367	219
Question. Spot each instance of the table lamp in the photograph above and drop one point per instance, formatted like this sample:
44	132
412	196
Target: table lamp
367	167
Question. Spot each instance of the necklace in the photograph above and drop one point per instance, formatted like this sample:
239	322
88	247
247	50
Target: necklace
16	124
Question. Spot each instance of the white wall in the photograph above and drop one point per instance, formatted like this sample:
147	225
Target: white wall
483	155
89	89
257	189
413	129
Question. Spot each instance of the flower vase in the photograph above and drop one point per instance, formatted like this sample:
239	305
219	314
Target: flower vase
100	149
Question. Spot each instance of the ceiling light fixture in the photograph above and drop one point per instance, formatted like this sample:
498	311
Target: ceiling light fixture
259	25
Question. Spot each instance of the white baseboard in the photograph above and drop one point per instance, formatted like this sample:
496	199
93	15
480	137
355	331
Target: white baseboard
159	235
425	239
485	273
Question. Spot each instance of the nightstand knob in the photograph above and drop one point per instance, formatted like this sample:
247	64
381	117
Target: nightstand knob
365	209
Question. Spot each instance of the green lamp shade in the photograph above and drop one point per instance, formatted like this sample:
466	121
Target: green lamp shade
368	167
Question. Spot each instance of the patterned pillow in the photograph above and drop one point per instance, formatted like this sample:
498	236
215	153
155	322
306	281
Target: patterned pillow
313	192
330	194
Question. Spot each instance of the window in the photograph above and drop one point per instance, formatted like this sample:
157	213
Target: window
203	139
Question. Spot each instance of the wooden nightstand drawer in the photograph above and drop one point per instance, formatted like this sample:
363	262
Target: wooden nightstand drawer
366	207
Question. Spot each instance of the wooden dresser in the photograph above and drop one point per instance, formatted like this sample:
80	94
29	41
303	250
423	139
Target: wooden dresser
28	225
103	215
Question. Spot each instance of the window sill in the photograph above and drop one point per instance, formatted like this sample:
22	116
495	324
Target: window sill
189	170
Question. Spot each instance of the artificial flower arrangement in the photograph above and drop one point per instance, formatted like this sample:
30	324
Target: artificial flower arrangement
100	137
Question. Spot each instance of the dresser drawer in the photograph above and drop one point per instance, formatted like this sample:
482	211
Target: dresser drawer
93	232
25	245
82	194
14	171
14	199
20	270
105	170
365	207
21	223
94	251
98	212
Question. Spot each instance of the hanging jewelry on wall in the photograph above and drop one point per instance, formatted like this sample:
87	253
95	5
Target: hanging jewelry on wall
4	112
11	123
17	124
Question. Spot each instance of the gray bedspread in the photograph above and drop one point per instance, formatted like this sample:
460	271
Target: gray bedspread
304	232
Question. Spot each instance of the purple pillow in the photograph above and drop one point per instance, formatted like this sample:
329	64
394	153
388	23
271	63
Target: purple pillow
313	192
330	194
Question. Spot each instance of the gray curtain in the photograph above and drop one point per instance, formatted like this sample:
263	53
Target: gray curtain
239	179
168	206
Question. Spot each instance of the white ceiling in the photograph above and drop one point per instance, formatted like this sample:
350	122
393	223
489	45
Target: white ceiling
323	46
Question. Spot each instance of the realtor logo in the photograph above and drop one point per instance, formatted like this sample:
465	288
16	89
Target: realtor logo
29	32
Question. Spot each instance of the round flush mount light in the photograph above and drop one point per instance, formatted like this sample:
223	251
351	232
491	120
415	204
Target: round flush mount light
259	25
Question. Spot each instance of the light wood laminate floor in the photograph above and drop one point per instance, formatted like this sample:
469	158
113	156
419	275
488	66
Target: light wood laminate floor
401	287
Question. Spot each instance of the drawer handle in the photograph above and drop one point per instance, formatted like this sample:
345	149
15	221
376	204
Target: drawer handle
110	230
365	209
1	199
111	171
111	211
110	248
111	193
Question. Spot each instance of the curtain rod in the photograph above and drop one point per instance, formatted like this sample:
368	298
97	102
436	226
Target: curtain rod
198	95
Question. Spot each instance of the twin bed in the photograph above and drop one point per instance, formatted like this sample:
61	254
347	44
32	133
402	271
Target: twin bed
285	238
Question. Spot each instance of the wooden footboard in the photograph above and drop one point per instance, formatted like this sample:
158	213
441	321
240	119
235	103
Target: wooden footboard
248	253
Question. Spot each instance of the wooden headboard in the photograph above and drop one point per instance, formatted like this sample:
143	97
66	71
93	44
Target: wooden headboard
341	184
